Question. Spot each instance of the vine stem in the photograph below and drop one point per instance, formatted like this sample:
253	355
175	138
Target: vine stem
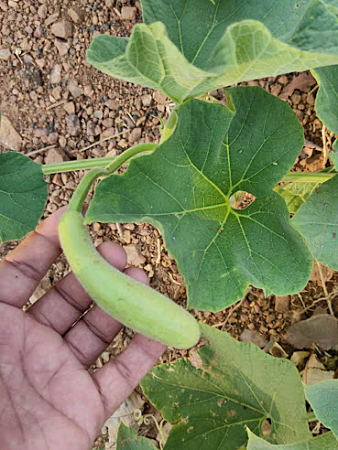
81	164
87	181
83	188
85	164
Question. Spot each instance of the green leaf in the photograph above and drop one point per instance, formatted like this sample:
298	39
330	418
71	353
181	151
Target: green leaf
295	194
127	439
323	397
317	221
327	97
185	49
231	385
23	194
184	189
334	154
325	441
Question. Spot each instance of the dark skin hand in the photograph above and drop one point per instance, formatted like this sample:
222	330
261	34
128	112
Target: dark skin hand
48	400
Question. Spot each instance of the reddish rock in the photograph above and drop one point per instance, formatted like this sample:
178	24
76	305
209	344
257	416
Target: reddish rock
55	76
55	155
62	47
9	137
62	29
128	12
42	11
69	107
135	135
282	304
134	257
75	89
146	100
76	14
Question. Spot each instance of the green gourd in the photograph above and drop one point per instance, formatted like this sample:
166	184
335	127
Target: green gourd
133	304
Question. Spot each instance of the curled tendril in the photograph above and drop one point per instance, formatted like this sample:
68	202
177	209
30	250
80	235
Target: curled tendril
145	419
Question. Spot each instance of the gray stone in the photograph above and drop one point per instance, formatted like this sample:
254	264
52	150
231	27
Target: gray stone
73	124
5	54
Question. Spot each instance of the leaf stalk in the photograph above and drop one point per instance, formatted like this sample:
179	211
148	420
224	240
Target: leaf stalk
87	181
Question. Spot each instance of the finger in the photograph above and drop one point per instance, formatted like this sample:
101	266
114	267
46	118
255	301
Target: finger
117	379
138	275
22	270
96	330
63	305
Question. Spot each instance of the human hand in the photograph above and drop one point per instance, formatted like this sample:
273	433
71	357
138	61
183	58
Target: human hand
48	400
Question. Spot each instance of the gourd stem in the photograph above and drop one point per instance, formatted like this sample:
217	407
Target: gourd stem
128	154
87	181
80	195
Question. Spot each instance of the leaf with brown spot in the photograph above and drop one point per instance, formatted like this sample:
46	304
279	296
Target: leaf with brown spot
237	385
325	441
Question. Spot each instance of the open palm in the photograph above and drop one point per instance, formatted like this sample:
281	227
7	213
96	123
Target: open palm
48	400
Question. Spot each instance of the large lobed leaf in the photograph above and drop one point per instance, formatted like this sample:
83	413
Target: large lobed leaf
23	194
323	442
317	221
184	188
186	48
323	398
231	385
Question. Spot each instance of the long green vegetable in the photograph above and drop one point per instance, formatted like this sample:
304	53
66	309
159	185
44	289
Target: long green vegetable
138	306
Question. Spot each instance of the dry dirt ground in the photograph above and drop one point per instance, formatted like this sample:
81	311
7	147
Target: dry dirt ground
60	109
